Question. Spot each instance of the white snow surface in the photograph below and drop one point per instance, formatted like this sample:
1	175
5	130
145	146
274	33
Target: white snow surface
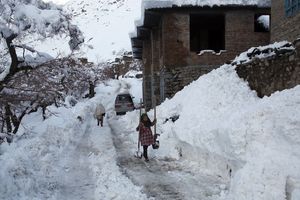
270	51
226	129
65	158
105	24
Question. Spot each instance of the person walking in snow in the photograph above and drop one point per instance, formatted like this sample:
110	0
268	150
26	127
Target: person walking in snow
145	134
99	114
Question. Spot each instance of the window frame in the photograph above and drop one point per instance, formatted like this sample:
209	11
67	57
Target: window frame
193	16
292	7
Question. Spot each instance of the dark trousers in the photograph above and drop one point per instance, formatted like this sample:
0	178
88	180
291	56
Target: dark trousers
100	122
145	153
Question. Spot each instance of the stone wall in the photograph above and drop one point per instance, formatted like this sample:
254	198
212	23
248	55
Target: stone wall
275	73
283	27
176	79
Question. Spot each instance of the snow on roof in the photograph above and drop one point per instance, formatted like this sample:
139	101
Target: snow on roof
152	4
148	4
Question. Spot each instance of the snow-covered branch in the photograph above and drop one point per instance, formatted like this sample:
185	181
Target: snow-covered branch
21	18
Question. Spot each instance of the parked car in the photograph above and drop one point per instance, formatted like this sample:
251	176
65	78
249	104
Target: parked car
123	104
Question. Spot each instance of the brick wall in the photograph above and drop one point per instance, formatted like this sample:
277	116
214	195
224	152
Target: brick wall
181	66
175	39
239	36
272	74
283	28
169	63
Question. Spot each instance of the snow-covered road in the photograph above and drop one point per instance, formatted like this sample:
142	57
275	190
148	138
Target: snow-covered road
63	157
162	178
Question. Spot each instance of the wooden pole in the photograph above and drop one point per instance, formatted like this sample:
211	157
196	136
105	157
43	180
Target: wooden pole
155	115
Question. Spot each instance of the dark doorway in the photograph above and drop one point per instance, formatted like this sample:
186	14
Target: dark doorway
207	32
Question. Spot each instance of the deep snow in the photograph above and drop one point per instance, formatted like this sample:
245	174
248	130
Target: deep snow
225	129
65	158
227	144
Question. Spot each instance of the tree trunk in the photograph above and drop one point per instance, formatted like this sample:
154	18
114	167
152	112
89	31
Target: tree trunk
92	90
14	60
19	119
2	125
44	107
8	119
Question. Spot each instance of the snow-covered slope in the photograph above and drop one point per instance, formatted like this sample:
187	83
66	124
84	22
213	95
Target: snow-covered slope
105	24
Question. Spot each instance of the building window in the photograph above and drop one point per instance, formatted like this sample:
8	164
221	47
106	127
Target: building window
207	32
292	7
262	23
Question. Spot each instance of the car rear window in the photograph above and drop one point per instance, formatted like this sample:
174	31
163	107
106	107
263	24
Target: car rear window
124	98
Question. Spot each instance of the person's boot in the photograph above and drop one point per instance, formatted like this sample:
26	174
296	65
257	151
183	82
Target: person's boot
146	157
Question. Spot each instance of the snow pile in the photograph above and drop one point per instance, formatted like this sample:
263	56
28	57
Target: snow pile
66	156
226	129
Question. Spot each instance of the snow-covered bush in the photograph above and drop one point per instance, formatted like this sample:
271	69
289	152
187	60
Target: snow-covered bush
49	83
28	78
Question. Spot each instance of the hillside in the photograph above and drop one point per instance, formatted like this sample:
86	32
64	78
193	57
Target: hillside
105	25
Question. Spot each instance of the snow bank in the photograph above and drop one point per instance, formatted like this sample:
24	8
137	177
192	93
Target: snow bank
220	114
227	130
66	156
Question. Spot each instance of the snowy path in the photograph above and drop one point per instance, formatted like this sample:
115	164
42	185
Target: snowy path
78	180
162	179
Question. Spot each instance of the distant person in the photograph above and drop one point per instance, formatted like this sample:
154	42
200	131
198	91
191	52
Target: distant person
146	137
99	114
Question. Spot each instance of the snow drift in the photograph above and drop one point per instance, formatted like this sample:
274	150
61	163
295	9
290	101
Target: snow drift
226	129
66	156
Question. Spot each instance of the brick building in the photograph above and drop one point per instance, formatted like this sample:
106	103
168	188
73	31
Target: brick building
285	20
177	44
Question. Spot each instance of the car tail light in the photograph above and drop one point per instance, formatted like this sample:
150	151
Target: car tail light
130	105
118	106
